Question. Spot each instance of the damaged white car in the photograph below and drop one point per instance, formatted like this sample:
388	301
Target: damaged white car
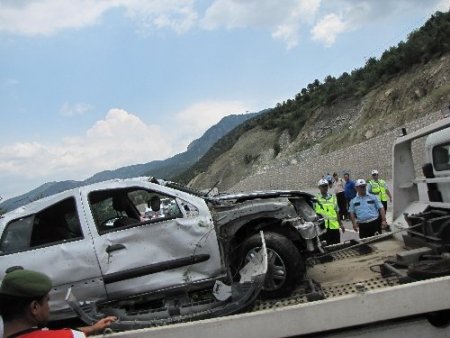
151	253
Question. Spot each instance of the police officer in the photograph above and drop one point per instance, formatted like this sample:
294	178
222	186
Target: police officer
366	211
25	309
326	206
379	188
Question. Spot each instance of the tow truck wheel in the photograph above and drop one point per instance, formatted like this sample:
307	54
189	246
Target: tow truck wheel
439	318
284	263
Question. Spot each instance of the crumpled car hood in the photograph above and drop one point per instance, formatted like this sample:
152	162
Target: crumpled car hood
240	197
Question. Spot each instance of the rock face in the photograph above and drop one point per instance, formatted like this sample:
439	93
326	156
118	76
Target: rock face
305	168
353	135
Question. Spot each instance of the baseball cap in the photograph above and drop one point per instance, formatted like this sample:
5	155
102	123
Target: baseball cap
25	284
360	182
322	182
374	172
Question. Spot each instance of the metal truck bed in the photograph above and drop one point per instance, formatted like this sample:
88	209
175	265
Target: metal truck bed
355	294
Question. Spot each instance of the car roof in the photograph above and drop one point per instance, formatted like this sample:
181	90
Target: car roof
40	204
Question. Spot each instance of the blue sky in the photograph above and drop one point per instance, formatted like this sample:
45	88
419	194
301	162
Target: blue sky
90	85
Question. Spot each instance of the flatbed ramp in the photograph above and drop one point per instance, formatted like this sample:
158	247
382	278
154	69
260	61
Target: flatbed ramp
355	296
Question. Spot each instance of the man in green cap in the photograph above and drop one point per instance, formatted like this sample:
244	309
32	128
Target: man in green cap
24	296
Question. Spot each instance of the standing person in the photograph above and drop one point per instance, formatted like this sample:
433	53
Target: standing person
25	309
340	196
326	206
366	212
349	188
379	188
329	179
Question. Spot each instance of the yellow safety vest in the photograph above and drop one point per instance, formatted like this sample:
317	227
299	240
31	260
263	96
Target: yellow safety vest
378	188
326	207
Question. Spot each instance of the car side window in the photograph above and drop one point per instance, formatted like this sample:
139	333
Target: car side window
123	208
55	224
155	206
441	157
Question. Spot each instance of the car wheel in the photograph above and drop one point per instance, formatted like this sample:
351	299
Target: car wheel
285	263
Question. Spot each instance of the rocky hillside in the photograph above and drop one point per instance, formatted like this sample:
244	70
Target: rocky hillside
353	135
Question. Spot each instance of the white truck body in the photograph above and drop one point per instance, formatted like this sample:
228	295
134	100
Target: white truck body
437	152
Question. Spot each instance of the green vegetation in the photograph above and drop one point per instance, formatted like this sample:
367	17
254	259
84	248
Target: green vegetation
428	43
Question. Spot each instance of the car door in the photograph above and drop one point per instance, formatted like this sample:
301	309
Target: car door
53	239
141	249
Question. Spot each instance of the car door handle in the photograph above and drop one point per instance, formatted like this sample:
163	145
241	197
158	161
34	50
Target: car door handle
114	247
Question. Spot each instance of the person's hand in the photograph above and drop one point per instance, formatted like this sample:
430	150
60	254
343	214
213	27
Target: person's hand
103	323
355	227
342	228
384	224
98	326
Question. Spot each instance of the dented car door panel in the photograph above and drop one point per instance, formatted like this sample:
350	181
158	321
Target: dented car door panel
155	253
58	244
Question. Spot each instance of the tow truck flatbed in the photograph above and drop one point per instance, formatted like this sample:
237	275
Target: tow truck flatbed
356	295
364	291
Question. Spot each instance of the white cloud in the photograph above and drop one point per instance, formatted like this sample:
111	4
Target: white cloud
120	139
443	6
47	17
81	108
284	21
177	15
347	15
350	16
327	29
193	121
325	20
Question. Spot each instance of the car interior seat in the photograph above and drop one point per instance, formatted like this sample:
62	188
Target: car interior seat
125	210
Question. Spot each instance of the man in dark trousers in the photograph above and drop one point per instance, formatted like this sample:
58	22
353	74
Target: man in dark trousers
326	206
338	186
366	212
24	296
349	188
377	186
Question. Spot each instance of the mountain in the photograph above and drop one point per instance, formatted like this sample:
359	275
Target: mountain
161	169
406	83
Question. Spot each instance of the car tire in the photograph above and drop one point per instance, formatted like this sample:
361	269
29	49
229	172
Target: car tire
285	263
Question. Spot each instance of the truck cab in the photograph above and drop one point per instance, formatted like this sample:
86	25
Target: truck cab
421	175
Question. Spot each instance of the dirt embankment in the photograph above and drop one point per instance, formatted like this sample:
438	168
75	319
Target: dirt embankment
353	135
